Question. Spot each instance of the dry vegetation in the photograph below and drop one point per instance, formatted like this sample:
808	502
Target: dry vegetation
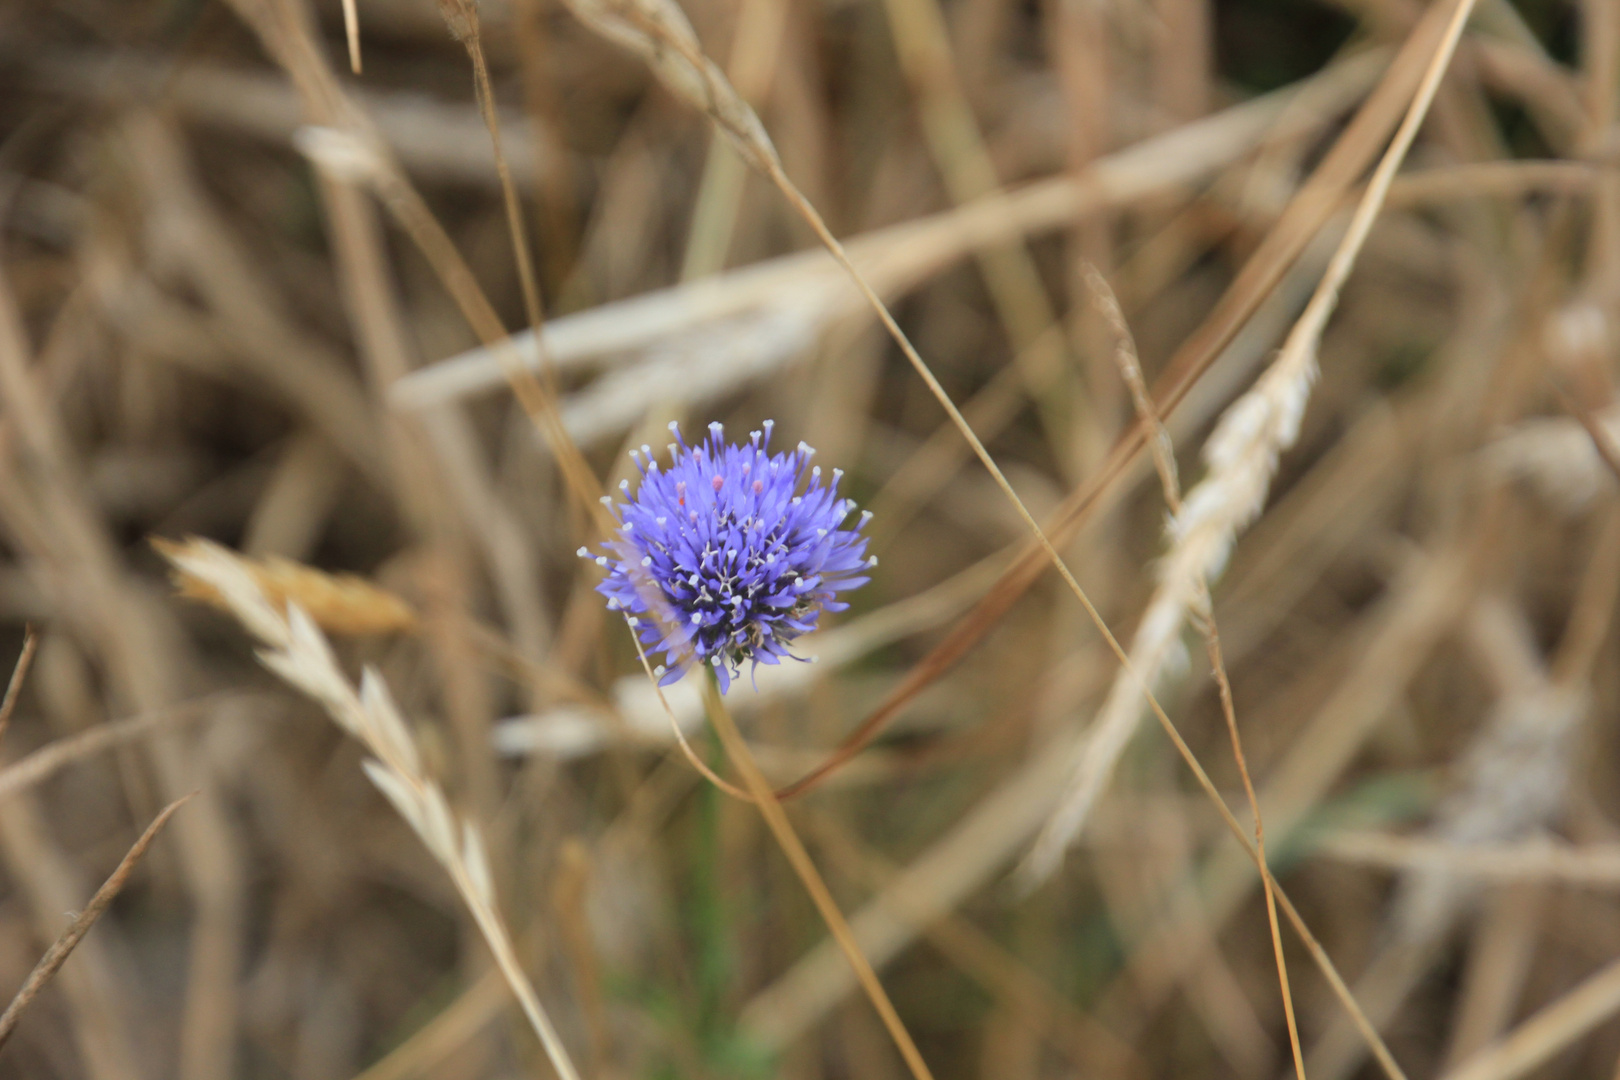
1293	326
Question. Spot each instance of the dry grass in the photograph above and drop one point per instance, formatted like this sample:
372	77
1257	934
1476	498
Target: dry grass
275	274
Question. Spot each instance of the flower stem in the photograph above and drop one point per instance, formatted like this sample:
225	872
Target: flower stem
796	854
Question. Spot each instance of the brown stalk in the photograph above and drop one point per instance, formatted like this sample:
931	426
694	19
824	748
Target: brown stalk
537	396
412	213
569	898
1324	963
474	43
756	42
1212	638
1595	866
959	150
453	479
367	160
58	953
18	674
792	847
1307	330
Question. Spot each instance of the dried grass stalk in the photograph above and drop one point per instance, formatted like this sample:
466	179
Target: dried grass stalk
63	947
297	651
792	847
8	705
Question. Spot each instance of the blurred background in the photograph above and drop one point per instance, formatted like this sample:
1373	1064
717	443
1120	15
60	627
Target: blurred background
247	293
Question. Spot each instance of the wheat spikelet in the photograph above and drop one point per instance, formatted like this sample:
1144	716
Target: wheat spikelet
297	651
338	603
1242	455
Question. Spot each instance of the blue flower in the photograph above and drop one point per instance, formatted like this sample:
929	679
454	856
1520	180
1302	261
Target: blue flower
730	553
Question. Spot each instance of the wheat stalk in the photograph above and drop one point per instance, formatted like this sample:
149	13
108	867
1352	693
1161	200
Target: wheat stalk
1242	455
297	651
1164	462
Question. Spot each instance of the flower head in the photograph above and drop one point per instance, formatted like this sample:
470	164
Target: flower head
730	553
